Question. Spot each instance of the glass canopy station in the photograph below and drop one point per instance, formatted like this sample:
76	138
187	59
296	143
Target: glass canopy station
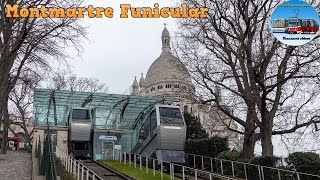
91	124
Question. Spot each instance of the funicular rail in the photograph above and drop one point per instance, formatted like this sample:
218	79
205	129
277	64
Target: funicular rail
112	171
88	169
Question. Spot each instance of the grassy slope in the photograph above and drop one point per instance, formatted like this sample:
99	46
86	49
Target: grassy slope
135	172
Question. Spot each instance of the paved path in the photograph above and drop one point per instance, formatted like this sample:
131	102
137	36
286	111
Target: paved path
15	165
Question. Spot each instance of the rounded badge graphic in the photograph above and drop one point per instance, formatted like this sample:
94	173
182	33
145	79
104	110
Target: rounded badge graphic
294	22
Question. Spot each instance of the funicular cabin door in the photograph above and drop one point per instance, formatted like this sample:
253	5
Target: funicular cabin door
107	150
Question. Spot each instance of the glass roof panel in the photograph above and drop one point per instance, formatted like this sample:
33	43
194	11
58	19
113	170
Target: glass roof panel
109	111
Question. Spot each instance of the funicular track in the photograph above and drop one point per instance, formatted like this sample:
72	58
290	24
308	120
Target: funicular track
103	171
88	169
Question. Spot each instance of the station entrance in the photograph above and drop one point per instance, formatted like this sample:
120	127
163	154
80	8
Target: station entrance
107	149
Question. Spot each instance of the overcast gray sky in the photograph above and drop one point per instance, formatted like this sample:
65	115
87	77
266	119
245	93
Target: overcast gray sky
121	48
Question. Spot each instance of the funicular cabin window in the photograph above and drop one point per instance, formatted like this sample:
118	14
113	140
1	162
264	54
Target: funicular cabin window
147	127
144	131
153	120
80	114
170	116
142	134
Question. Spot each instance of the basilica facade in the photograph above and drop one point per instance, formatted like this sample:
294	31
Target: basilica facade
168	77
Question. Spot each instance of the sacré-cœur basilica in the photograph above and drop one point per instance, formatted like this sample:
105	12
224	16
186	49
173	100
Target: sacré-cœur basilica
168	77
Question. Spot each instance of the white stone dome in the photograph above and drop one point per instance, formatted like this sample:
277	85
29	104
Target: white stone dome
167	75
167	68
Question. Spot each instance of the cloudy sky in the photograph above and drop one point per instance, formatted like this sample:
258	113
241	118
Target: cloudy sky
121	48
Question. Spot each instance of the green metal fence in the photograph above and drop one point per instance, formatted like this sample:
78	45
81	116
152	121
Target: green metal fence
45	156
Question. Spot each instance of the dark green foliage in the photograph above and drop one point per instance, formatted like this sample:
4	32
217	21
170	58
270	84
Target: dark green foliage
240	168
306	162
207	147
268	161
210	147
228	159
285	175
194	128
229	155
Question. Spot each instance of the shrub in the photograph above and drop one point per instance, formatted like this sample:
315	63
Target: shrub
306	162
269	174
207	147
210	147
230	156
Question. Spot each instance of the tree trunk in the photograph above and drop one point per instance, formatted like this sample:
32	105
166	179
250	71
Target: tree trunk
266	139
248	146
4	143
250	138
249	141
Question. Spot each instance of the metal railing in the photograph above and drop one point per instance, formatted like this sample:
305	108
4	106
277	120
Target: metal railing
154	166
75	167
247	171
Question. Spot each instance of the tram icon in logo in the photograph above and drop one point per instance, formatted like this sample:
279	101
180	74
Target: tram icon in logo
294	22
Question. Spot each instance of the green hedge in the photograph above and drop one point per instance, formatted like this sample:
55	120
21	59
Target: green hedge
306	162
210	147
207	147
251	171
230	157
269	161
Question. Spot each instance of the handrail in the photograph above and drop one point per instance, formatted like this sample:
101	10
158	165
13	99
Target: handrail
75	167
261	173
132	158
249	164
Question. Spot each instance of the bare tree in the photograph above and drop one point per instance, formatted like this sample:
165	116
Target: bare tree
32	41
266	87
21	96
20	103
69	81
